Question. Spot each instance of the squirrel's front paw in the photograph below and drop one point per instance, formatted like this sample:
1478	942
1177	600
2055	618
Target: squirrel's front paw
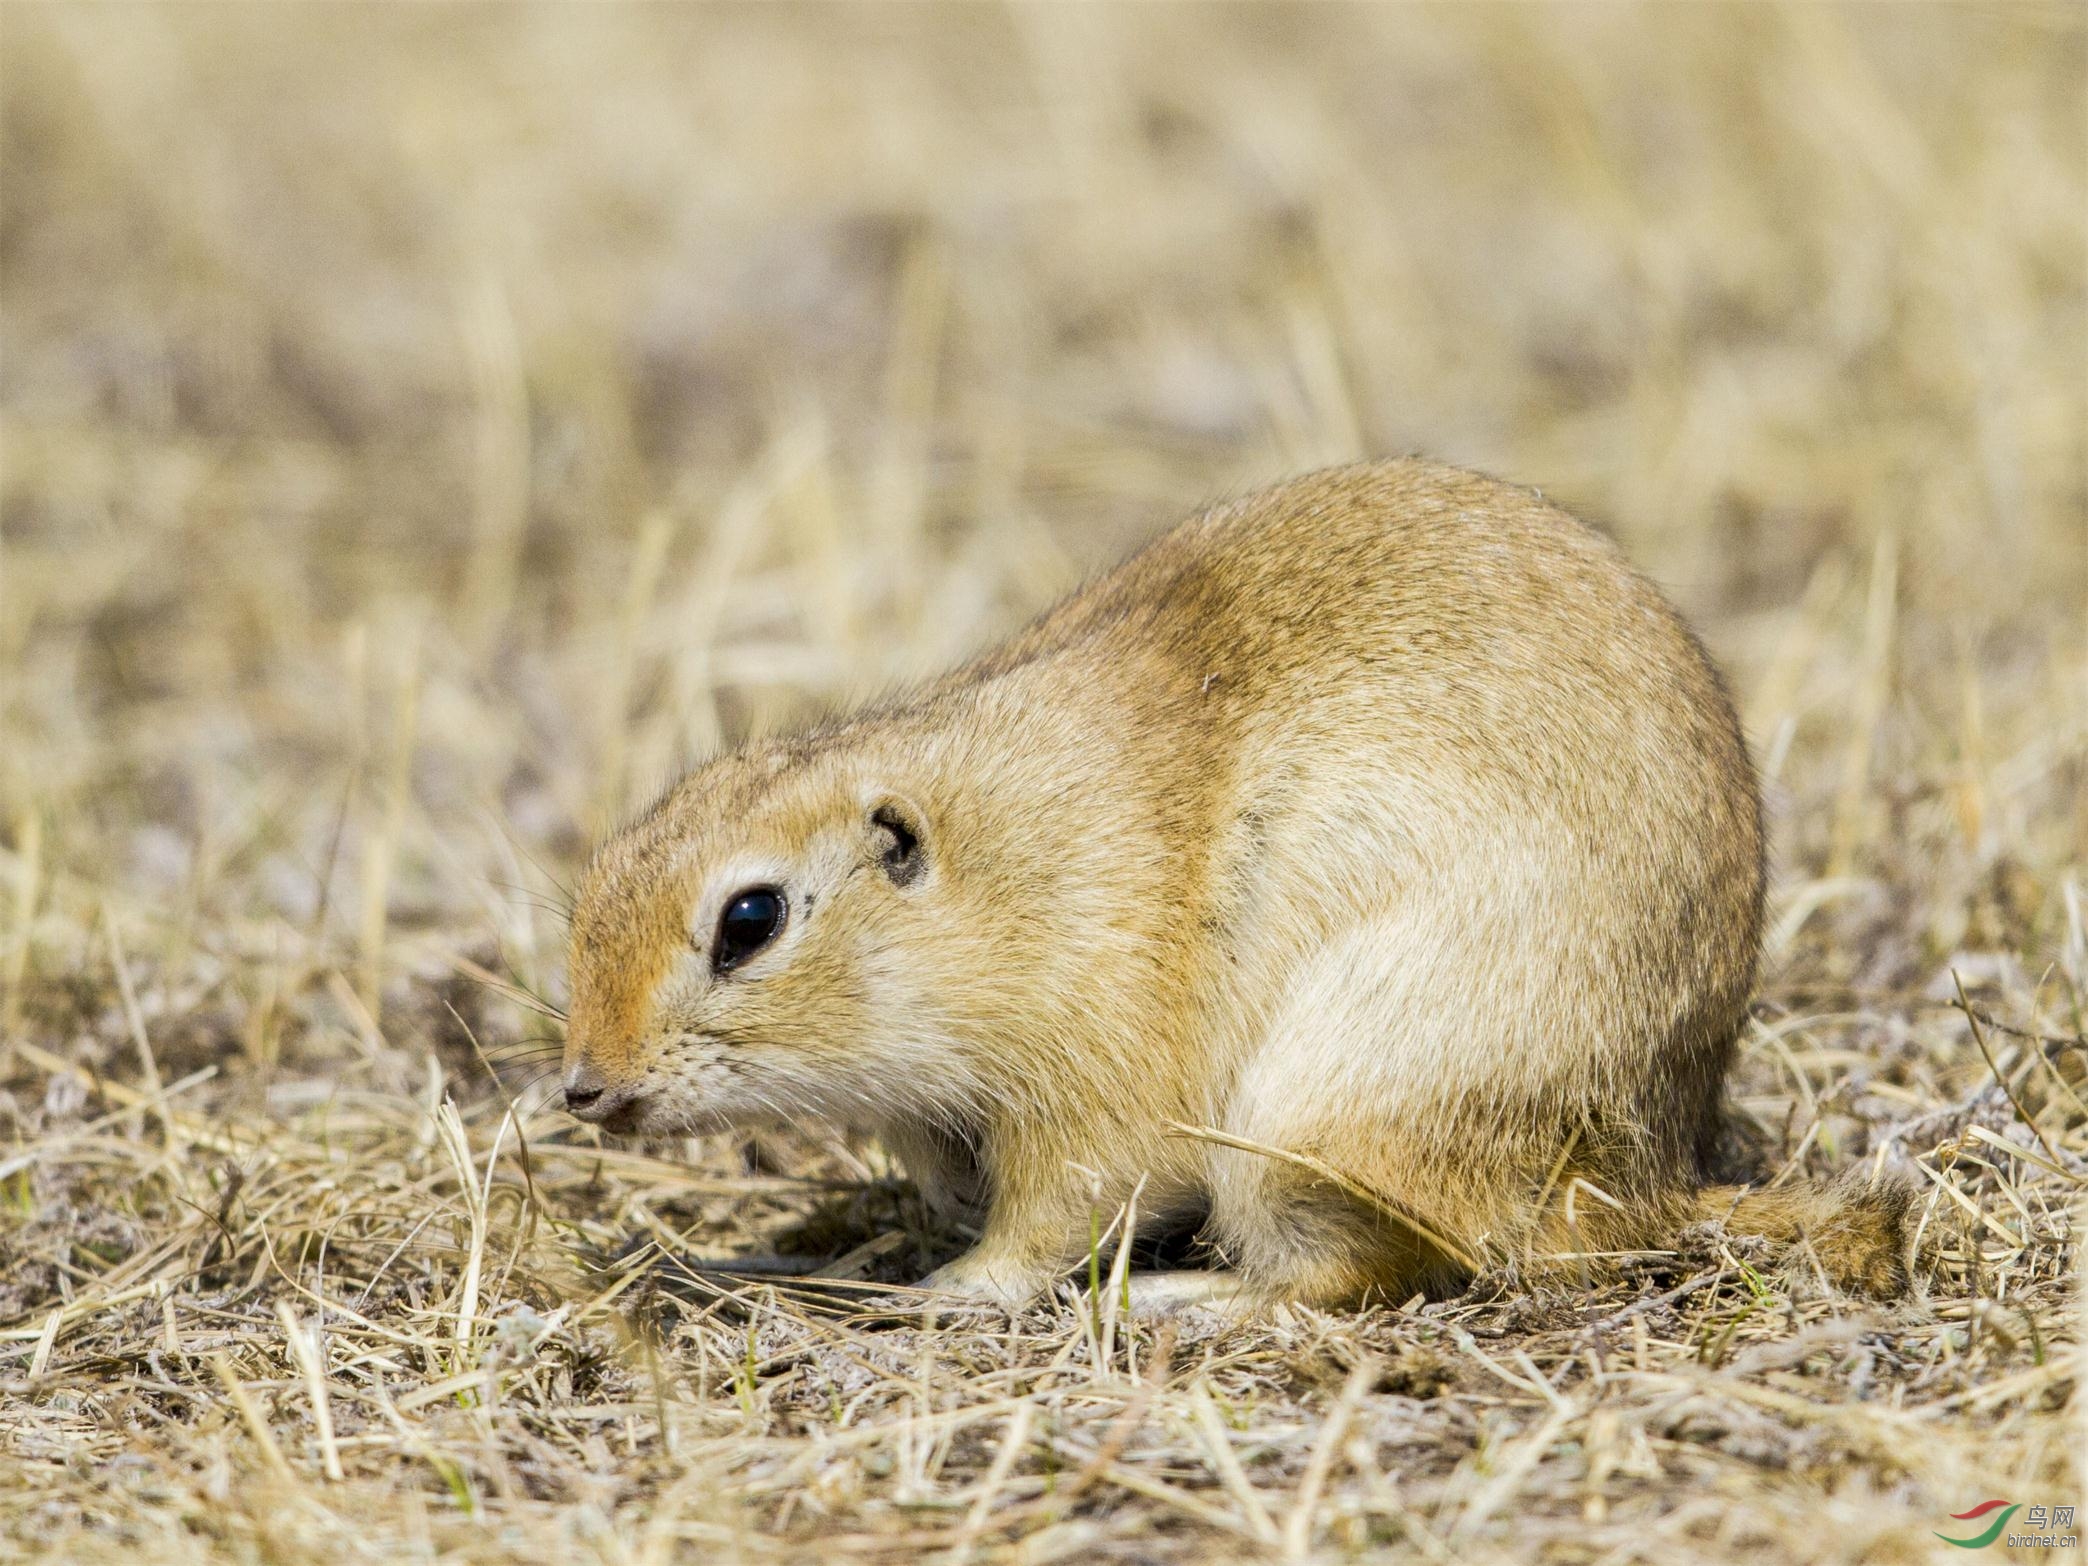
989	1280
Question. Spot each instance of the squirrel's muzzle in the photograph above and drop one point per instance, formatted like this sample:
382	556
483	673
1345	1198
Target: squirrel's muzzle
590	1095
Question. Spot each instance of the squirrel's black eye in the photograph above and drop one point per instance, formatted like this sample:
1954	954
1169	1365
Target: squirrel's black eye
751	920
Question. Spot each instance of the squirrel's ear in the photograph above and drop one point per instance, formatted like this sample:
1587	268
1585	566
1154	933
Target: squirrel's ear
900	839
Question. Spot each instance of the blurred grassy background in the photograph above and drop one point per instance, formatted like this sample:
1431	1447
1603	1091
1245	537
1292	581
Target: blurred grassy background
627	377
426	427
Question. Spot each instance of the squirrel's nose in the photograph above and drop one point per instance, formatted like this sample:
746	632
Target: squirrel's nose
589	1095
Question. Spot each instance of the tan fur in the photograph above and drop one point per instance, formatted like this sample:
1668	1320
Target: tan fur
1857	1231
1385	819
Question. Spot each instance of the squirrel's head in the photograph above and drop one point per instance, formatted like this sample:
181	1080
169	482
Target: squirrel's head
742	952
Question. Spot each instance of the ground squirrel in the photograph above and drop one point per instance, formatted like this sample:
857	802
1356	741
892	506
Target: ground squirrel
1372	866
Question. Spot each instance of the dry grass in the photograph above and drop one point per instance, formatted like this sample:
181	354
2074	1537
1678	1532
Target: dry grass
423	427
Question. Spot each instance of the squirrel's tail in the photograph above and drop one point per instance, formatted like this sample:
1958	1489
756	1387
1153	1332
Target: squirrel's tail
1857	1228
